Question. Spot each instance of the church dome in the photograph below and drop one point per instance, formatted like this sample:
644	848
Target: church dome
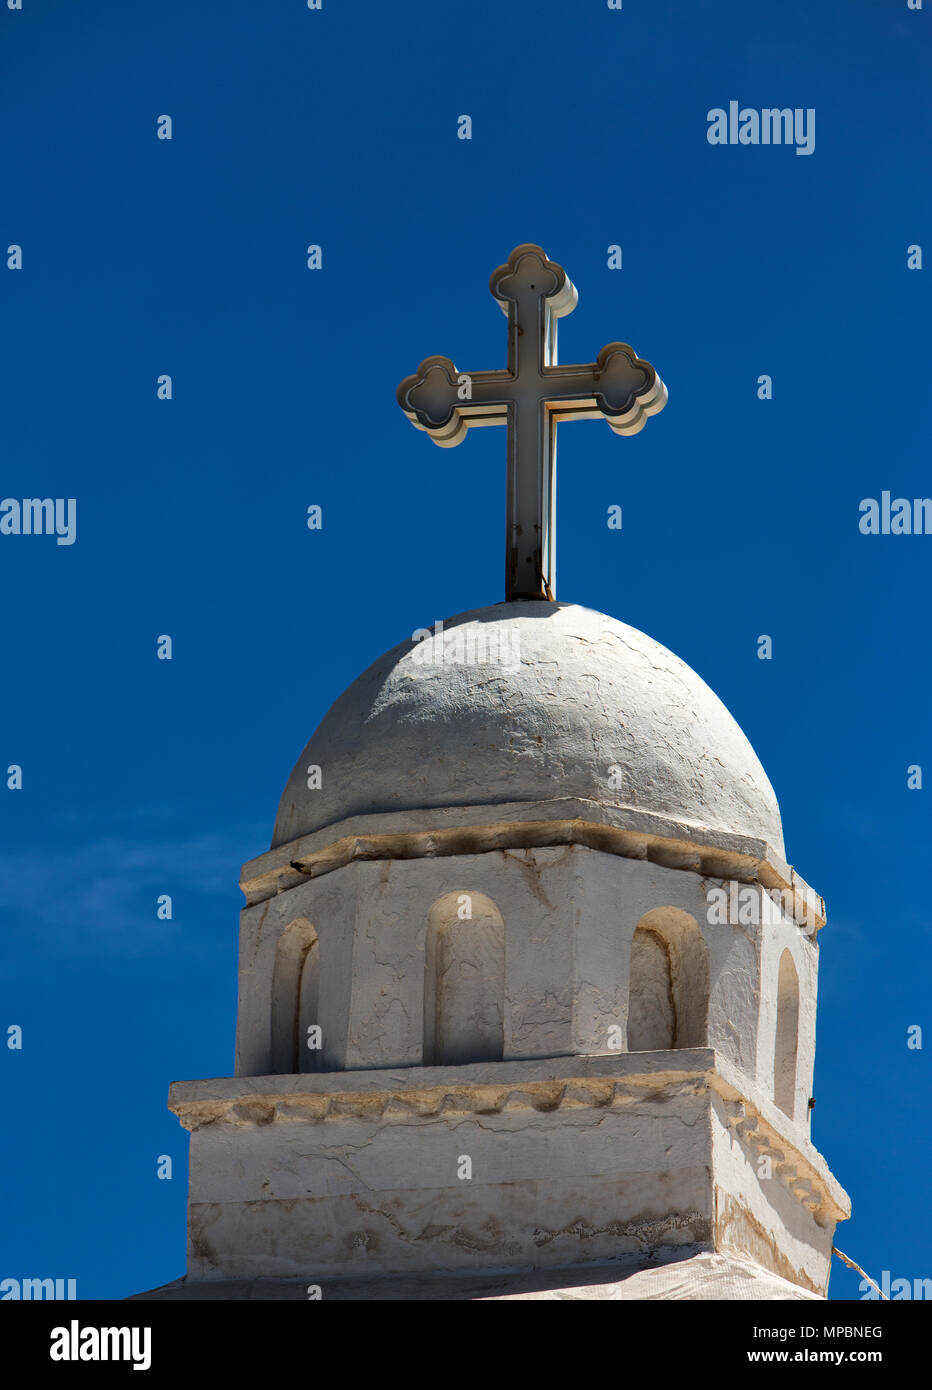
531	702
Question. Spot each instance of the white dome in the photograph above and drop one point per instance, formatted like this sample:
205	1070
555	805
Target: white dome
569	695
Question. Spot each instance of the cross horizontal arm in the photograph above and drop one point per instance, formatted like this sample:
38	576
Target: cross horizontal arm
619	387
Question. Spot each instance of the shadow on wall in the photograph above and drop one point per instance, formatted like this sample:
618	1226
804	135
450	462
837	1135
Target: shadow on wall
785	1045
464	981
668	990
295	998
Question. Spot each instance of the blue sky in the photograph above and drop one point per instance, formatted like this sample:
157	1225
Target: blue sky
187	257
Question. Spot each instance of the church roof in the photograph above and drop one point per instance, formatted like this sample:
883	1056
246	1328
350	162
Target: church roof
531	701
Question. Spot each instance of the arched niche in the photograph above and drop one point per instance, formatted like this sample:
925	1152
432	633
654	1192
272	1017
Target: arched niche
786	1042
668	990
295	998
464	981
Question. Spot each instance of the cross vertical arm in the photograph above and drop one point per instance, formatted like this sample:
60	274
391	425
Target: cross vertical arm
534	291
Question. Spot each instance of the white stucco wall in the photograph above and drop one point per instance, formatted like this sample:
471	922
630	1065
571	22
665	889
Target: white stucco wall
569	914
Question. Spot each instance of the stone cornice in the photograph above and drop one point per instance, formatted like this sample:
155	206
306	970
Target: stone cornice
550	1084
617	830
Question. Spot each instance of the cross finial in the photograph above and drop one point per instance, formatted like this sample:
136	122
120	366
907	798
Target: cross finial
530	397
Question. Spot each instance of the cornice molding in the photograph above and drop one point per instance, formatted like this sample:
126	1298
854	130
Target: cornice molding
631	834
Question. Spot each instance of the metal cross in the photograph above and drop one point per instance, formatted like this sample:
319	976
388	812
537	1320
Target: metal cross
530	397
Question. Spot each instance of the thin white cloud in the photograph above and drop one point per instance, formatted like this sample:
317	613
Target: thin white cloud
107	890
